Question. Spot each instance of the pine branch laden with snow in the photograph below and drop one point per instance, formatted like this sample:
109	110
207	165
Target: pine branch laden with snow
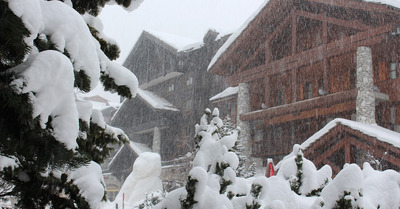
47	51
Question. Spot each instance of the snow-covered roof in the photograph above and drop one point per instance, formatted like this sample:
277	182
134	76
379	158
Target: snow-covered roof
160	79
235	35
138	147
372	130
178	42
230	91
155	101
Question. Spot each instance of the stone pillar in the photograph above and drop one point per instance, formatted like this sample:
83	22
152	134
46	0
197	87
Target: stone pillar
156	140
243	106
365	103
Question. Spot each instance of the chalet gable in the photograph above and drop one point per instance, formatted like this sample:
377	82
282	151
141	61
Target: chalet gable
343	141
298	28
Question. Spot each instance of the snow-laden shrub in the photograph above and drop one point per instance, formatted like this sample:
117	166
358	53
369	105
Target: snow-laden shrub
303	176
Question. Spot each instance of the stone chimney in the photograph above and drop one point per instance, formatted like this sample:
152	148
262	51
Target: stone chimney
243	106
365	103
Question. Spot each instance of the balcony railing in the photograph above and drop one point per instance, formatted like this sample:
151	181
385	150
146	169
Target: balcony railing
304	105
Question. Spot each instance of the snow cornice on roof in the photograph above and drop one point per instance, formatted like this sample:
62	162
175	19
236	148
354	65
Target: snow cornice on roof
156	102
138	148
227	93
373	130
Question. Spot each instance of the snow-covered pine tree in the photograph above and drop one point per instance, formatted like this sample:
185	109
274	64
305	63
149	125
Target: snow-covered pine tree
213	168
296	181
252	202
43	55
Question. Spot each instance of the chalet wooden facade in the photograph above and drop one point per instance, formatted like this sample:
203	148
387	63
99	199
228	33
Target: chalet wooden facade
175	88
298	58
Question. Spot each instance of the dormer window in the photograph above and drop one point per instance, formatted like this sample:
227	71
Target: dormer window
189	81
171	88
393	70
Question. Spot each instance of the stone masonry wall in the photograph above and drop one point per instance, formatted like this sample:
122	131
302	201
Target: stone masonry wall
365	103
243	106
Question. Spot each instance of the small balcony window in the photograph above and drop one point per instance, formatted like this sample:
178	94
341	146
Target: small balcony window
171	88
393	70
308	90
189	81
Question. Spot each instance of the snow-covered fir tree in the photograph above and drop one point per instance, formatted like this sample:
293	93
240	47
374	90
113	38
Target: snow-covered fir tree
213	168
51	144
228	128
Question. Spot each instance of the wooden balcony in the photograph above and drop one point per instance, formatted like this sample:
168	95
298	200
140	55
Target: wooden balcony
329	104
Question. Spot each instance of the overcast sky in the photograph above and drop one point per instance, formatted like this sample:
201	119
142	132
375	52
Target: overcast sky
187	18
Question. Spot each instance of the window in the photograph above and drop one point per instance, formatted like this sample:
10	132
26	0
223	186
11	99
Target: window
171	87
188	105
308	91
277	132
180	63
187	131
189	81
280	97
393	69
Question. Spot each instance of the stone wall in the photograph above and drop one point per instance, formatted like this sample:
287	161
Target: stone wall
365	103
243	106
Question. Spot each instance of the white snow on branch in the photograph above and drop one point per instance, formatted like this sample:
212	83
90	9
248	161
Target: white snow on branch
134	4
8	162
69	32
90	182
48	79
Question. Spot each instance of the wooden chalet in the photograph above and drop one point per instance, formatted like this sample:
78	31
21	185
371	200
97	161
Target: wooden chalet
343	141
175	88
298	60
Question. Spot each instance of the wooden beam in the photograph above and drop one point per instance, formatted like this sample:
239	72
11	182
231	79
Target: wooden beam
372	140
347	153
294	34
324	30
343	107
331	137
267	91
376	152
315	106
335	148
294	85
325	75
323	18
250	59
281	26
